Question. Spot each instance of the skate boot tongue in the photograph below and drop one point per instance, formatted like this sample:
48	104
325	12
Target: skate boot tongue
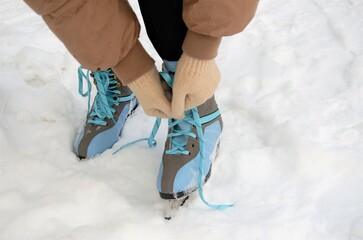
181	130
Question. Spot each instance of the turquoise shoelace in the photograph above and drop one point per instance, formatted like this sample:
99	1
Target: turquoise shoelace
106	98
178	147
179	136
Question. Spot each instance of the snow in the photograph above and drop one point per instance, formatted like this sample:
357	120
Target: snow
291	151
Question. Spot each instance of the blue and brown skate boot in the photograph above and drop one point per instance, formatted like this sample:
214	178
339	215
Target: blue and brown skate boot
191	146
106	118
181	162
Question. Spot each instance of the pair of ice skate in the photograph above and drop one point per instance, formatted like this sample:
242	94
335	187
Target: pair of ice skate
190	146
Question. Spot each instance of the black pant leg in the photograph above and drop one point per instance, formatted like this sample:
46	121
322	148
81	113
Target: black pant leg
164	26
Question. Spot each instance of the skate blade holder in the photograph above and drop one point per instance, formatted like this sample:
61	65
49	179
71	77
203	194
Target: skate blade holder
173	205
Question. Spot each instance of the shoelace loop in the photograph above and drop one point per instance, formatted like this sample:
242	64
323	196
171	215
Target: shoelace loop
81	76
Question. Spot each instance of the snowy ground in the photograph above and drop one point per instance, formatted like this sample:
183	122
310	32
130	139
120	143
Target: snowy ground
291	157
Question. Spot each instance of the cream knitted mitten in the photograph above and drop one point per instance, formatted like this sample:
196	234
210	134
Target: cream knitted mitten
195	81
150	93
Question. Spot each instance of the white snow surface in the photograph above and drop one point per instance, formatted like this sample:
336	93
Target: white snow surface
291	156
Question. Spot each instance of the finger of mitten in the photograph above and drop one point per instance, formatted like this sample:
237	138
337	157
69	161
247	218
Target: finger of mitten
164	105
157	113
178	105
158	108
192	101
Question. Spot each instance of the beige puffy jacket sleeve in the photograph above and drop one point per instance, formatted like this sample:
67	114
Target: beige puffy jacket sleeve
98	33
104	33
209	20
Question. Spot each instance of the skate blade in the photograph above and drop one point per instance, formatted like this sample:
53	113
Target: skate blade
173	205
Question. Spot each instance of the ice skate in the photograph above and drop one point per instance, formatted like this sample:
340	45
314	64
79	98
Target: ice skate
190	149
106	118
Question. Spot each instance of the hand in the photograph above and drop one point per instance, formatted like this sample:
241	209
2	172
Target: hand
150	93
195	81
